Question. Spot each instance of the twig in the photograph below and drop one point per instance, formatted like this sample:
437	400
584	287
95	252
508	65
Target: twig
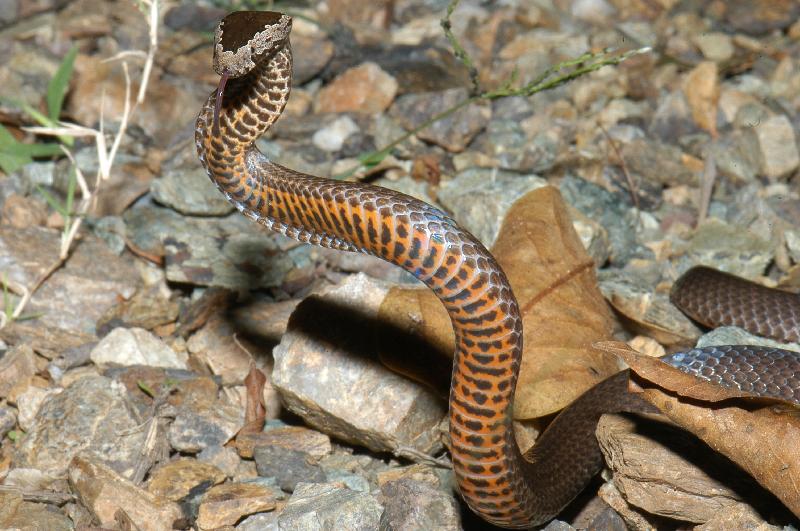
458	50
707	187
632	188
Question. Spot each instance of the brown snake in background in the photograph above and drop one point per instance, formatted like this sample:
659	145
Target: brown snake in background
253	55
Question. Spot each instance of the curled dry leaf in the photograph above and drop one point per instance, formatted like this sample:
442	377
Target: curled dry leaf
760	439
563	311
255	409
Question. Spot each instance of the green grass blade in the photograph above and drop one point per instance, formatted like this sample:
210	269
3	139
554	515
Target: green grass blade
53	202
57	88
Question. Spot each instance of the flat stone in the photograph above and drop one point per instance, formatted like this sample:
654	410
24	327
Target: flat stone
364	88
453	133
136	346
203	420
715	46
327	372
29	402
8	419
227	504
147	309
328	506
190	191
333	136
17	365
311	442
76	295
91	415
15	513
259	522
174	480
480	197
104	492
288	467
727	247
777	146
415	500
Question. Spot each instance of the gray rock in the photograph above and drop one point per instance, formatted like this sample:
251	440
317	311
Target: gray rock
480	197
16	365
777	147
732	335
76	295
453	133
91	415
188	190
326	372
411	504
333	136
8	419
610	212
323	506
199	425
727	247
136	346
260	522
288	467
15	513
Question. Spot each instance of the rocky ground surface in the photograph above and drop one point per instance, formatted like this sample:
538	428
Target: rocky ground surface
132	379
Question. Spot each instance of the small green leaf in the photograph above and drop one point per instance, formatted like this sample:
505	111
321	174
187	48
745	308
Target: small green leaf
146	389
57	88
11	163
15	435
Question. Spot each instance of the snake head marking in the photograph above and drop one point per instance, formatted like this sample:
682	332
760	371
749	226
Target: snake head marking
244	36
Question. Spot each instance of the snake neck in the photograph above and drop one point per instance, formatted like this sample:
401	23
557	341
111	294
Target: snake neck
250	105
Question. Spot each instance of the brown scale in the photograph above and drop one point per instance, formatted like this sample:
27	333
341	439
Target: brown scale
252	51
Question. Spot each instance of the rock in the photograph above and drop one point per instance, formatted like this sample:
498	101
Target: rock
203	420
777	147
665	479
227	504
176	479
365	88
136	346
76	295
312	51
714	46
21	212
415	499
333	136
758	17
15	513
737	516
453	133
727	247
190	191
28	404
657	162
701	87
259	522
148	309
480	197
91	416
17	366
314	444
104	492
731	335
327	506
382	411
8	419
288	467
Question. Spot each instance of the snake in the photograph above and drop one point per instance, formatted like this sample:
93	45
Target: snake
253	56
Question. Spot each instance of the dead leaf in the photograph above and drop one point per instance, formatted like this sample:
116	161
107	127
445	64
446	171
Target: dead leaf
761	440
563	311
255	410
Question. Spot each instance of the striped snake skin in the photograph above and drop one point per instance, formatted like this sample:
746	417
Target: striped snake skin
252	52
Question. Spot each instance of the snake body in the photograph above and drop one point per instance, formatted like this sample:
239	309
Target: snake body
253	53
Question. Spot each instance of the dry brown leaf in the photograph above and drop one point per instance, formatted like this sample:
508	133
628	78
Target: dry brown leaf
255	412
761	441
563	311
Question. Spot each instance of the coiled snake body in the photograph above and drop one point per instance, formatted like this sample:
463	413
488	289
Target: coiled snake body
253	54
